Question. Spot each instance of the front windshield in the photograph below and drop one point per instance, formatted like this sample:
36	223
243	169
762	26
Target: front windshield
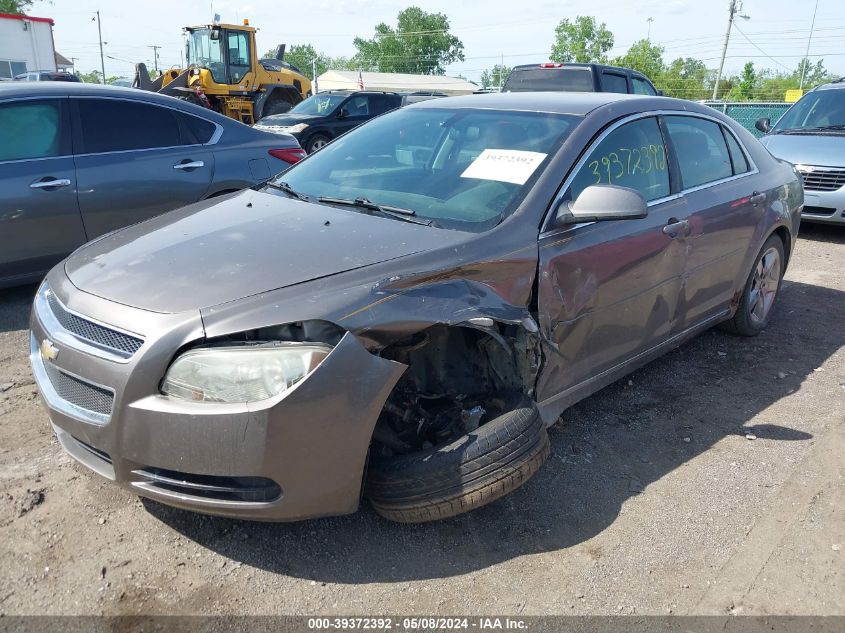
205	52
319	104
464	169
820	108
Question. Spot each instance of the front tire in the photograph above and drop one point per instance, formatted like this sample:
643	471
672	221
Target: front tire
761	291
463	475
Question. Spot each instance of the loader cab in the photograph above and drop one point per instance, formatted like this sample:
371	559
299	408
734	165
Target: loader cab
225	51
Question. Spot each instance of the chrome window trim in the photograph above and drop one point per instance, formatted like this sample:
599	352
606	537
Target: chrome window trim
52	397
546	229
59	334
215	137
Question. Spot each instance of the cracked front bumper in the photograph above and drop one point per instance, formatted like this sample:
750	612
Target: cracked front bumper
297	456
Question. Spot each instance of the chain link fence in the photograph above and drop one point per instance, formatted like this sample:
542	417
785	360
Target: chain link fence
747	113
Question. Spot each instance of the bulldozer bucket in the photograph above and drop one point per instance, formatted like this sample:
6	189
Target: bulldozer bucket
178	85
142	78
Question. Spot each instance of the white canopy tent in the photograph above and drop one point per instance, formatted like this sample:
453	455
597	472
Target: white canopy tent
393	82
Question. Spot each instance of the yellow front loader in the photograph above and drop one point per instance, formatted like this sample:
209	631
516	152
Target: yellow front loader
225	74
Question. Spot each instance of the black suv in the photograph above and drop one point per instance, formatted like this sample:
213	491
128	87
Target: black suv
557	77
326	115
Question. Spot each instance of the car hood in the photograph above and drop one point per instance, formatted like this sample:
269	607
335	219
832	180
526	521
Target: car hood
252	242
807	149
286	120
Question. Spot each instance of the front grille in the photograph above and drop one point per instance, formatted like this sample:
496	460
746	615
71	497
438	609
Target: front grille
211	487
822	178
827	211
78	392
120	343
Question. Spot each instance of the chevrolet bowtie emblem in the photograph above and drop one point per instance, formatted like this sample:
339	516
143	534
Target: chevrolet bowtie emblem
48	350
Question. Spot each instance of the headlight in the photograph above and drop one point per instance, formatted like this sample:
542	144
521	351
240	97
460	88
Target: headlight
241	373
296	129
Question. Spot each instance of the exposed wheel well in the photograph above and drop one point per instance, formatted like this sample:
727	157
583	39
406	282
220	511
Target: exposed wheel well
455	376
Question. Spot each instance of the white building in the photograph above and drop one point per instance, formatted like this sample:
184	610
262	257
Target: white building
398	82
26	44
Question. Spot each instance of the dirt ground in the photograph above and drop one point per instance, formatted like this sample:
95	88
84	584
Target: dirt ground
656	500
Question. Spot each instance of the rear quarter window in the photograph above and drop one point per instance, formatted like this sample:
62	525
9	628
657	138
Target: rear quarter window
550	79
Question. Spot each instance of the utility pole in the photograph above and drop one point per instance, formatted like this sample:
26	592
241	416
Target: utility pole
809	39
314	74
648	37
155	56
102	59
733	9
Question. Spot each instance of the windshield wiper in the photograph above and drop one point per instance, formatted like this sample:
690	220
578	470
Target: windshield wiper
399	213
810	130
283	186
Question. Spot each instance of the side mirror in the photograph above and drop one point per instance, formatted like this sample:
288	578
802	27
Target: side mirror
660	93
764	125
603	202
342	113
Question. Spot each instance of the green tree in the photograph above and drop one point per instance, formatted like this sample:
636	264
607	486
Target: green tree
495	77
685	78
420	43
814	74
581	40
94	77
644	57
747	81
301	56
15	6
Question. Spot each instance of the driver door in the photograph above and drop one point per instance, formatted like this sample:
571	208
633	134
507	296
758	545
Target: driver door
608	290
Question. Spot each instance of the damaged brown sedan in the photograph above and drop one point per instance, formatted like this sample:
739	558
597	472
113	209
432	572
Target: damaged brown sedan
400	316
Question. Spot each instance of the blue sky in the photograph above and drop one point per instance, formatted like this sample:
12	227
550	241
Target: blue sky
774	37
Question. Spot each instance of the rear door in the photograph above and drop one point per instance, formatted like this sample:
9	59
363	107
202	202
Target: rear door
608	290
717	182
135	160
39	216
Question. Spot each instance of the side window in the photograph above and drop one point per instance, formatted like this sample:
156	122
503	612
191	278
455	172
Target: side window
613	82
30	129
238	46
198	130
113	125
633	156
641	86
700	148
740	163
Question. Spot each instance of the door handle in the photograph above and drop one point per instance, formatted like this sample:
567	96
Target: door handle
191	165
756	198
46	184
676	227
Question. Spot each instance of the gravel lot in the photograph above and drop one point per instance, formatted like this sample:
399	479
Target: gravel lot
654	501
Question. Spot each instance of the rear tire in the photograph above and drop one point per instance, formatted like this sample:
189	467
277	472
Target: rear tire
466	474
761	291
316	142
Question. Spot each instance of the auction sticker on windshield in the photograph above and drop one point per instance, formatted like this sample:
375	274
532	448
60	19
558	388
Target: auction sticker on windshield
504	165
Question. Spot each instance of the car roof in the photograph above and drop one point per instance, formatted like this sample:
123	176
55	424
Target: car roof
835	85
343	91
577	103
566	65
78	89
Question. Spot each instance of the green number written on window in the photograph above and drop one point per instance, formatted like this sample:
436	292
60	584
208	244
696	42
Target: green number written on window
615	166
